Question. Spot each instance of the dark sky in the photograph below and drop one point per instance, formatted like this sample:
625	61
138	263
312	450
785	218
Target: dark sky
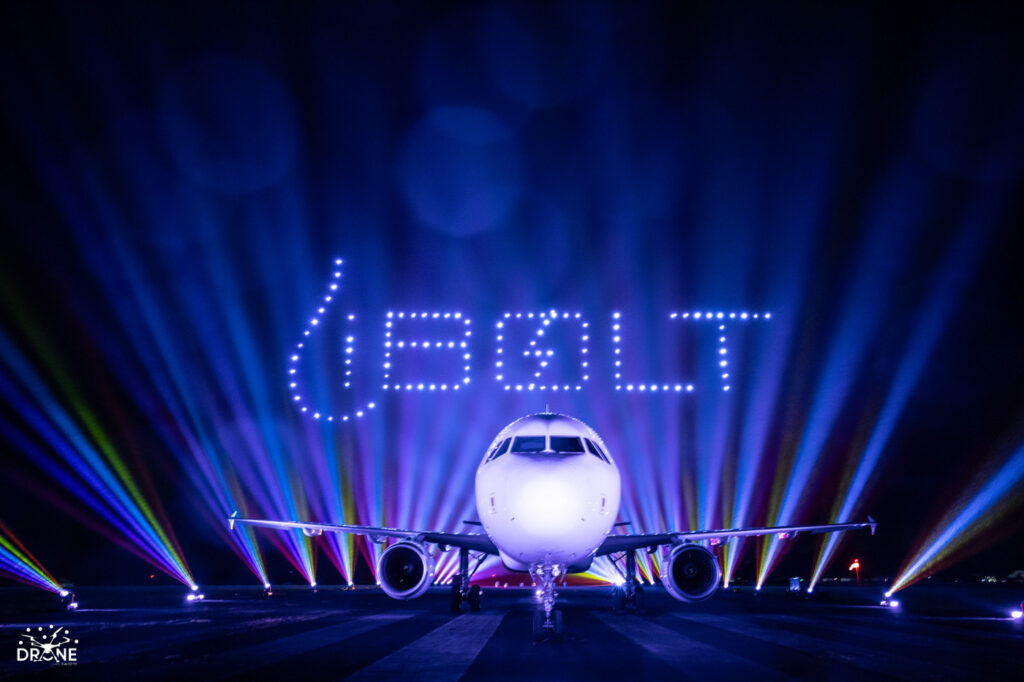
178	178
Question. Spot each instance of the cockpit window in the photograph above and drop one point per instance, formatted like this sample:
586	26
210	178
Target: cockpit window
597	450
566	444
500	450
529	444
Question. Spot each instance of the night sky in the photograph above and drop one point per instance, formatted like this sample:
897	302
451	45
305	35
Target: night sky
180	178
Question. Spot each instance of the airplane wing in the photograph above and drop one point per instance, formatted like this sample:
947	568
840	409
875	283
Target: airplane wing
472	541
620	543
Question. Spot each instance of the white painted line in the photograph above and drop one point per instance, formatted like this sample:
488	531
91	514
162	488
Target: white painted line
690	656
443	654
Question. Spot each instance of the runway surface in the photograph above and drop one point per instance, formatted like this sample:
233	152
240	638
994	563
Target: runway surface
143	634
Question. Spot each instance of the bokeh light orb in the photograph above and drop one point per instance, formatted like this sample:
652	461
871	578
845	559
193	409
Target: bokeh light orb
228	124
460	171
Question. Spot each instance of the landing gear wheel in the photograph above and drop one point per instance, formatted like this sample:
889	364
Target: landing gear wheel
456	601
538	623
618	599
474	598
557	617
639	601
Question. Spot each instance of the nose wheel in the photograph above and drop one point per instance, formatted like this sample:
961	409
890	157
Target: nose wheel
547	624
546	619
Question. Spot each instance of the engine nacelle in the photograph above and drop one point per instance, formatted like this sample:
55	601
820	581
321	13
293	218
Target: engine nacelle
691	573
405	570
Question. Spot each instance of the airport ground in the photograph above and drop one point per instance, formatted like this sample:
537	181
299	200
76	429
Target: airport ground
937	633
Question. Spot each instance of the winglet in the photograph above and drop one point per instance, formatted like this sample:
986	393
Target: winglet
873	524
231	520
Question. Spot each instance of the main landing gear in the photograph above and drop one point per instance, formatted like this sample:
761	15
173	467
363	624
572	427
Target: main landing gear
462	591
630	593
546	620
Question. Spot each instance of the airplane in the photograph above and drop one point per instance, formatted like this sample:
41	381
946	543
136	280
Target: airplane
547	496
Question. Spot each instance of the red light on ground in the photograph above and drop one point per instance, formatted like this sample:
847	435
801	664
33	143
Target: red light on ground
855	565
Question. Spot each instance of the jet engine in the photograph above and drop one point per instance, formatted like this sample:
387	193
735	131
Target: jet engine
405	570
692	573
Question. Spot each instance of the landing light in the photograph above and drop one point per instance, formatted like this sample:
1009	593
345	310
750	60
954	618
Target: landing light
64	593
1016	614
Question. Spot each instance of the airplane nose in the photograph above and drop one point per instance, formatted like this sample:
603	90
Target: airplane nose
548	507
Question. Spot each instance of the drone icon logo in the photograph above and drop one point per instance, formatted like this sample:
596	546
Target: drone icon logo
48	646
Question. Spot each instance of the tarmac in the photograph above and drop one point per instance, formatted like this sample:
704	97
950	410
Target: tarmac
239	634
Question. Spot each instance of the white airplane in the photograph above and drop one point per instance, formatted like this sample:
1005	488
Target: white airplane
547	495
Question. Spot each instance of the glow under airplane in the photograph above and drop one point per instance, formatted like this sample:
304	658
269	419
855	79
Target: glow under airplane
547	495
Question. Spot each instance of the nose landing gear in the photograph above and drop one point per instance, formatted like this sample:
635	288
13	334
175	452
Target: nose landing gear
546	619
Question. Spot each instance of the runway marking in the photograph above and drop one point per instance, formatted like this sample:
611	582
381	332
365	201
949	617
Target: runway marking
443	654
246	659
864	657
694	658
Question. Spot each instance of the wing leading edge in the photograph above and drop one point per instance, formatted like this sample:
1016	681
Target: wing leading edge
621	543
471	541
